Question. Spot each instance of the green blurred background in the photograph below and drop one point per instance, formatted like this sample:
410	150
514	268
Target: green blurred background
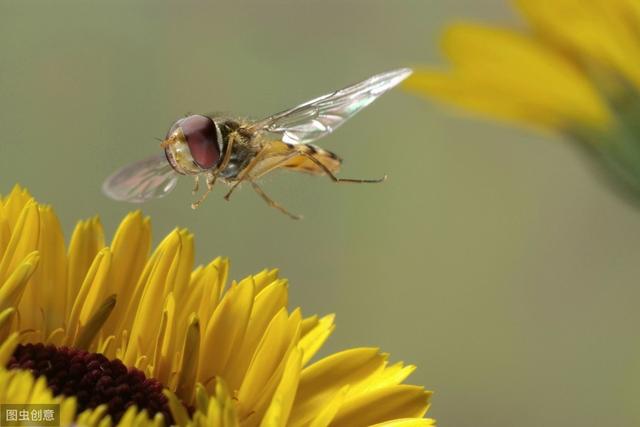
491	258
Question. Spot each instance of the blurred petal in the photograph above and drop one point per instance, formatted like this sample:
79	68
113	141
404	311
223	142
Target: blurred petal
504	74
598	30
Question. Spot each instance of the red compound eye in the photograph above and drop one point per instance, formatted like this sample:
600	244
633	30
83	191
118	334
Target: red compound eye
202	139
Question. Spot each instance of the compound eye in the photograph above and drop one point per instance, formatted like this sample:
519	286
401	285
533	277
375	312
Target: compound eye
202	139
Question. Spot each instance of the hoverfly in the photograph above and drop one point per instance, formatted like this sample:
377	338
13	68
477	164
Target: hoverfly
237	150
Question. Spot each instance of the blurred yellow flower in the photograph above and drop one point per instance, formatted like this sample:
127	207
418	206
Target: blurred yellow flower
574	69
118	331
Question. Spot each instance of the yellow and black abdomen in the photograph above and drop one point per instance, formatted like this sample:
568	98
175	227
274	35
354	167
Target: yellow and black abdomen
302	162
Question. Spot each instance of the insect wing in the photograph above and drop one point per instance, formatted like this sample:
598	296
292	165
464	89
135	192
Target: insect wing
321	116
138	182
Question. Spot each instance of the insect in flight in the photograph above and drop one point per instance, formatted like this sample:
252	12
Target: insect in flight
237	150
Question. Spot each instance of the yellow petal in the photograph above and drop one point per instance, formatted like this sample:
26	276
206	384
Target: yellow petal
193	298
6	318
266	360
202	398
221	265
130	249
331	408
91	292
14	203
157	362
221	411
268	303
390	375
40	390
209	283
104	345
169	271
92	418
5	231
316	337
226	329
86	241
68	412
148	273
384	404
128	417
164	342
57	337
282	352
265	278
189	366
24	240
7	348
13	288
180	415
308	323
47	290
322	379
90	330
180	273
278	413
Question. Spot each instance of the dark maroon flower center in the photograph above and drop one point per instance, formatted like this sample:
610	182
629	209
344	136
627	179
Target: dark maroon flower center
93	379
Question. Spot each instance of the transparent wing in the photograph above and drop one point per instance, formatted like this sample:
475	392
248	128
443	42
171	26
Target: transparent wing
321	116
140	181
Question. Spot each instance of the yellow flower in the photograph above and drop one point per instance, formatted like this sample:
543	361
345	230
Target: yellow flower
119	330
574	70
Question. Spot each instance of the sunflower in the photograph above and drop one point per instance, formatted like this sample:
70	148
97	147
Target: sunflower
116	334
573	69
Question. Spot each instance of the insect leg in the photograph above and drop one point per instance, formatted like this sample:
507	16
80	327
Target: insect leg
196	185
227	155
272	203
211	179
335	178
213	176
225	160
245	172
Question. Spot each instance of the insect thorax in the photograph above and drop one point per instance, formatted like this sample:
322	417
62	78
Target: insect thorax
242	149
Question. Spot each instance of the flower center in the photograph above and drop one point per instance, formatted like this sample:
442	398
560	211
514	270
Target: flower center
93	379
